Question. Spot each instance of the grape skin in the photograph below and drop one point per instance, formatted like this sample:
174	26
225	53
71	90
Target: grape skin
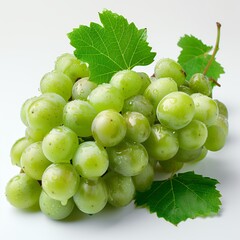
60	181
176	110
23	191
60	144
91	196
109	128
167	67
53	208
33	161
90	160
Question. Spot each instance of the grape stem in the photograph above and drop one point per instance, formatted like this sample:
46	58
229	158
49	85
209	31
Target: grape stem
215	82
216	48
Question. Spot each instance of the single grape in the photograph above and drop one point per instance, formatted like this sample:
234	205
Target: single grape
138	127
159	89
60	181
142	105
53	208
121	190
24	110
175	110
169	68
127	158
200	83
78	116
45	112
57	82
33	161
23	191
222	108
109	128
17	149
82	88
91	196
202	155
217	134
144	179
193	136
106	96
90	160
71	66
206	109
128	81
145	81
171	165
60	144
162	143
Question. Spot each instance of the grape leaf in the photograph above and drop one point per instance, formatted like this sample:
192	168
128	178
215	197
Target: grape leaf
195	56
186	195
115	46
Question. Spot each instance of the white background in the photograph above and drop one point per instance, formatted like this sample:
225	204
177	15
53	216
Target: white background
33	34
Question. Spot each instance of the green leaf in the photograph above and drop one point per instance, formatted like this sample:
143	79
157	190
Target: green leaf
115	46
186	195
195	56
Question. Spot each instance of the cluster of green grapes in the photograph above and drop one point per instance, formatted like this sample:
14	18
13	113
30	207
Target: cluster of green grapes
87	145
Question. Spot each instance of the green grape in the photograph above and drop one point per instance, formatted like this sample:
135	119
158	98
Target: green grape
193	136
159	89
60	181
127	158
78	116
106	96
145	81
82	88
206	109
162	143
22	191
222	108
17	149
24	109
92	196
171	165
57	82
176	110
33	161
45	112
144	179
53	208
60	144
109	128
202	155
128	81
217	134
35	134
90	160
121	189
169	68
142	105
71	66
200	83
187	155
138	127
185	89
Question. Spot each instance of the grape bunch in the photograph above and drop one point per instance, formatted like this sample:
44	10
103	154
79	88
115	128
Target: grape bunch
89	144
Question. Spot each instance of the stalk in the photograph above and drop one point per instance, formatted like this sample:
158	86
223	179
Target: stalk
216	48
